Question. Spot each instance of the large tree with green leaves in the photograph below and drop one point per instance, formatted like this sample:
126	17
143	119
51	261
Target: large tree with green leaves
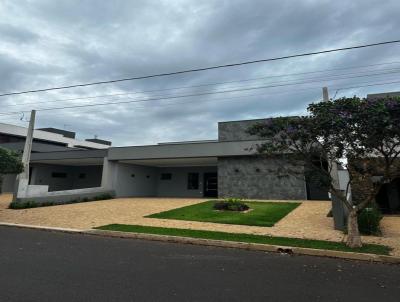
10	163
361	134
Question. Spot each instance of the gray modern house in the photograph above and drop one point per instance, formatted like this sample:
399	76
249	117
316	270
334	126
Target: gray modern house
227	167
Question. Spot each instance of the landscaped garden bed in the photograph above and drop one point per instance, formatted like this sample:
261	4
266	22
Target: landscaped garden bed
249	238
17	205
261	214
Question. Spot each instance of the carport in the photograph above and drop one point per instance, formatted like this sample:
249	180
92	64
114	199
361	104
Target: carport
67	170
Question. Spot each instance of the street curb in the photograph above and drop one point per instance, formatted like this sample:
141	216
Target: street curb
219	243
250	246
42	228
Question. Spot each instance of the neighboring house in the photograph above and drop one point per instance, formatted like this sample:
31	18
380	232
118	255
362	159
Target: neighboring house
388	198
227	167
45	140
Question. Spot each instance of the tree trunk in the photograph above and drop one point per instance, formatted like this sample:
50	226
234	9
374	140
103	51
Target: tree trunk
353	234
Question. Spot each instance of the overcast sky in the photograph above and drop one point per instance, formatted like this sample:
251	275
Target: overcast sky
50	43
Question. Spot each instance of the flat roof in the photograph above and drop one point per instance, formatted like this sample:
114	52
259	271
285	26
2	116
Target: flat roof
188	150
48	136
257	119
167	151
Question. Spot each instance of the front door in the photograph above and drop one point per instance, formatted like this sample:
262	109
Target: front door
210	185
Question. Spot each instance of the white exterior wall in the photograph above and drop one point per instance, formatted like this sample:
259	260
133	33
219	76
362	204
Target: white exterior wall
134	180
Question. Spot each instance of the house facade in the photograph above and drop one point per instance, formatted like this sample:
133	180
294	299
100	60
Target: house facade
226	167
45	140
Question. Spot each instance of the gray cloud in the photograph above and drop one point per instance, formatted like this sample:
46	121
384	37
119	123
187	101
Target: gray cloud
13	34
47	43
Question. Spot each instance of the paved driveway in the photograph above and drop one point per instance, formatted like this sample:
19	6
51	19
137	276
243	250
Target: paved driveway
309	220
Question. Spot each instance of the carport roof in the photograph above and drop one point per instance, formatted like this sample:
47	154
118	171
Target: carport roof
208	149
184	150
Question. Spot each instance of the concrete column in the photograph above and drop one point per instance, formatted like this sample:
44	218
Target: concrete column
108	175
22	180
26	156
339	212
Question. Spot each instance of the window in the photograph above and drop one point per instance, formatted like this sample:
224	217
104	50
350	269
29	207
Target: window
82	176
166	176
59	175
193	181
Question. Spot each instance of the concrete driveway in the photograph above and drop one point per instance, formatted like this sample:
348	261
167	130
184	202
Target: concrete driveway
309	220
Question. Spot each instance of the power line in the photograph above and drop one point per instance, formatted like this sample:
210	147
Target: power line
202	69
362	86
245	96
224	98
210	84
159	98
265	95
289	82
194	101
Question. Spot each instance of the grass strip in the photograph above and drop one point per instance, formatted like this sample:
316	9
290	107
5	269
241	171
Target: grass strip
248	238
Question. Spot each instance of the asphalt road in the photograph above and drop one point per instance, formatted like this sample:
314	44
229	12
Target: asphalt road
45	266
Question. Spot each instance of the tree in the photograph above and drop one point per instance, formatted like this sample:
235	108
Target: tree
10	163
361	134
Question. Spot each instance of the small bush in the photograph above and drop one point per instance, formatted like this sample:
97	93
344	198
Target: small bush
34	204
368	221
29	204
101	197
231	204
233	200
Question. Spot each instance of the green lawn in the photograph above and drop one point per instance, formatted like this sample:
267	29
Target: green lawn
262	214
283	241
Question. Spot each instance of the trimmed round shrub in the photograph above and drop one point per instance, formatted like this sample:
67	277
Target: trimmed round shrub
231	204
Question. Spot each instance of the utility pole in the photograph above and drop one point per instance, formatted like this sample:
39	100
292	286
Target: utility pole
325	94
